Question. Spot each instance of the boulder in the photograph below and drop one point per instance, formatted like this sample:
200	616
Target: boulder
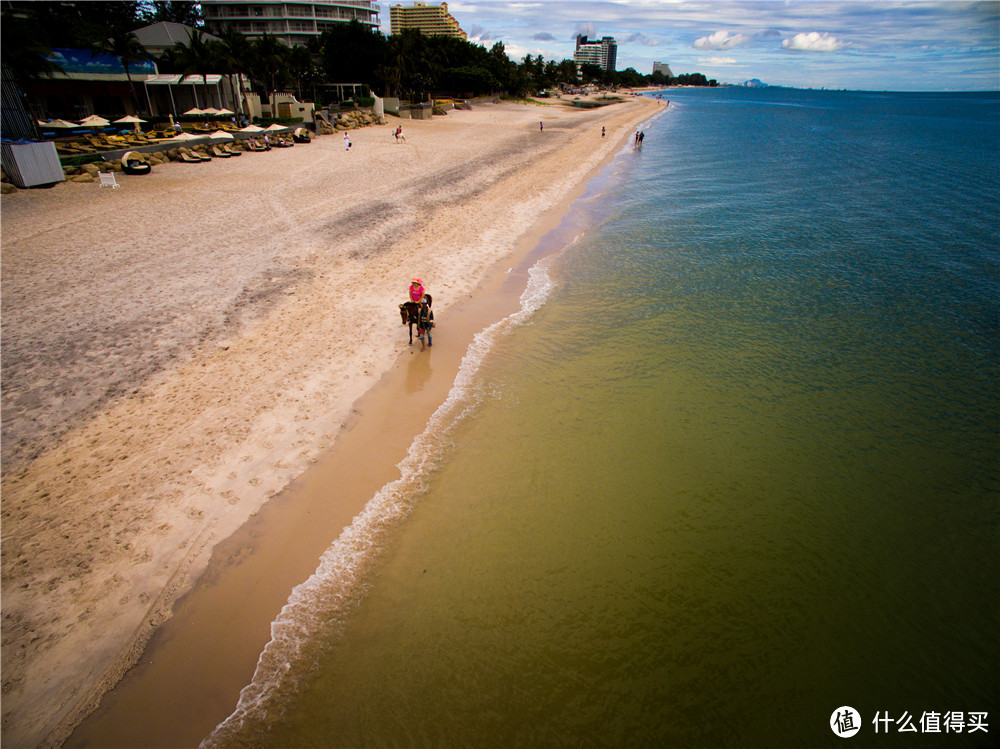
6	188
90	169
85	177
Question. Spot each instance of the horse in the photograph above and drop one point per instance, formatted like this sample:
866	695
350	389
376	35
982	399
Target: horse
409	313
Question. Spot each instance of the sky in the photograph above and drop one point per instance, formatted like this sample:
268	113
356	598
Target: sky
884	45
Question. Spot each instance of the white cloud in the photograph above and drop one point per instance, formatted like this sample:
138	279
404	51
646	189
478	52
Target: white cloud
588	30
721	40
814	42
718	60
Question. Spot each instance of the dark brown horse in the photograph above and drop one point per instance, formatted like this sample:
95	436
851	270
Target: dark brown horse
409	313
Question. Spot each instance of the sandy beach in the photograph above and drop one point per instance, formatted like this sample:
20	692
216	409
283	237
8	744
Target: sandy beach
177	352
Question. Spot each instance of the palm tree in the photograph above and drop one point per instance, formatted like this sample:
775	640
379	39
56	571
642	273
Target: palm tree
124	45
197	57
301	66
235	56
272	55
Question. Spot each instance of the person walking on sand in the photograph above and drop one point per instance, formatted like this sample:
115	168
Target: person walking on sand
425	322
541	127
347	142
399	134
602	131
416	290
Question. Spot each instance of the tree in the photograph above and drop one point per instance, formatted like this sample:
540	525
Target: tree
176	11
235	56
25	54
351	53
272	63
197	57
124	45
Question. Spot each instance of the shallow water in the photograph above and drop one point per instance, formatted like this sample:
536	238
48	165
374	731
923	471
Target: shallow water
740	467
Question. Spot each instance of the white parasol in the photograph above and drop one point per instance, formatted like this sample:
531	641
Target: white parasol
251	129
221	135
58	123
94	121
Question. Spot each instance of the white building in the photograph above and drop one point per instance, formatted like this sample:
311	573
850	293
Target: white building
603	53
294	23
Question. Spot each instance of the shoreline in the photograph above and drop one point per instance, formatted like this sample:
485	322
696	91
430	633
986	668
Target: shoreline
250	461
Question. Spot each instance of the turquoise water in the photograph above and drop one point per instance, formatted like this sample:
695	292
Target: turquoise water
734	466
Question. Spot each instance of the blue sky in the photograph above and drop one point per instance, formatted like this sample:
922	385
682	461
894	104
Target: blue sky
902	46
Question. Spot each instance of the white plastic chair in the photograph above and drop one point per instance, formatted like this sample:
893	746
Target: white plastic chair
108	179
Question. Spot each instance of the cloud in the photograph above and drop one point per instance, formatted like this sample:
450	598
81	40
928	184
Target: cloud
589	30
639	38
543	36
814	42
718	60
476	31
721	40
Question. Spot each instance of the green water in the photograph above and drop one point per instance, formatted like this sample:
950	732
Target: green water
716	488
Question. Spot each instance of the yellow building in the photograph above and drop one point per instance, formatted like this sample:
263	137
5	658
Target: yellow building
429	19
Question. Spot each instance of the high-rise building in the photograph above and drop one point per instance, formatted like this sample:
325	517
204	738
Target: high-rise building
294	23
662	67
433	20
603	53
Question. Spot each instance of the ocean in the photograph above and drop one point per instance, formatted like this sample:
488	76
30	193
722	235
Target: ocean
733	468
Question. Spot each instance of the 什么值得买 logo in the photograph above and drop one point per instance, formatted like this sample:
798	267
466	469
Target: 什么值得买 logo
845	721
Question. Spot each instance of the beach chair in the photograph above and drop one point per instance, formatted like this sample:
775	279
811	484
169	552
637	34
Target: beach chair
216	151
108	180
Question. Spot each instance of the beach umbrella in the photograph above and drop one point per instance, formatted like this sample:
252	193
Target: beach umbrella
225	111
276	126
221	135
194	111
186	136
58	123
94	121
130	119
251	129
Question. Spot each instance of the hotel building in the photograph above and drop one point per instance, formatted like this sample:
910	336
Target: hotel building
294	23
433	20
603	53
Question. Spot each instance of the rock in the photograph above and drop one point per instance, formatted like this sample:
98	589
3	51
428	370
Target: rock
6	188
224	345
85	177
90	169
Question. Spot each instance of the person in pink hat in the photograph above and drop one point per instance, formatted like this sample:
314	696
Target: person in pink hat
416	290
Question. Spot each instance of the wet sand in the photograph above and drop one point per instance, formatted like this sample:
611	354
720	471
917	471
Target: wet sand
178	351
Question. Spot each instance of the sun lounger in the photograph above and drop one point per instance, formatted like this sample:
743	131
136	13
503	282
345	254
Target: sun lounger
216	151
231	150
187	158
98	143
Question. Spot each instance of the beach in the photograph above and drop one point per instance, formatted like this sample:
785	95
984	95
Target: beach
178	351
